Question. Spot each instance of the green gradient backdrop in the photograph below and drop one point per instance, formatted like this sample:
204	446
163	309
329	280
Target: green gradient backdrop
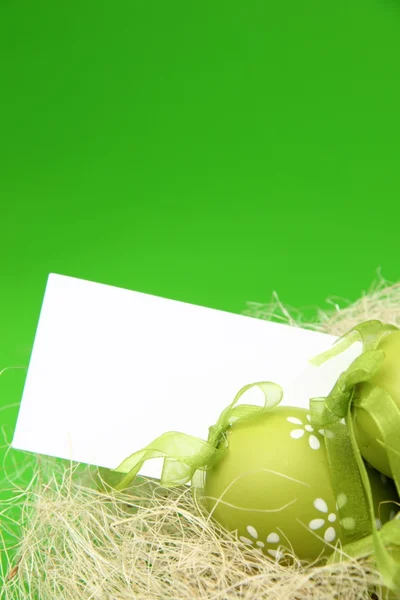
205	151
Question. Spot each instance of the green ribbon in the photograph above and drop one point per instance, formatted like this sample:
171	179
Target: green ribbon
186	456
369	333
347	467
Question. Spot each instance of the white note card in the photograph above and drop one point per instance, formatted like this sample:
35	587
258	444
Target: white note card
111	369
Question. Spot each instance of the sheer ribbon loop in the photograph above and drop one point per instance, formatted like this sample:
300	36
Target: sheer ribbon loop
184	454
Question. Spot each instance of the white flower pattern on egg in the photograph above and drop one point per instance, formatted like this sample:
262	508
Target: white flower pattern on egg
305	428
273	538
329	519
252	540
348	523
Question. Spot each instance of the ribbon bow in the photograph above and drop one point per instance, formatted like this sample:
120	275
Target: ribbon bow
185	455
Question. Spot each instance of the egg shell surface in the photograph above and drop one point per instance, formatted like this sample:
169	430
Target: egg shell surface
273	486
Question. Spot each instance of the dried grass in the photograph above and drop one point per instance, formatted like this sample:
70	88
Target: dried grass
381	301
75	542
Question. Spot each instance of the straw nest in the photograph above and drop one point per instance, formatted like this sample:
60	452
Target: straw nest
63	537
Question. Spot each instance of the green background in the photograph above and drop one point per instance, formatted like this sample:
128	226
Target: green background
208	151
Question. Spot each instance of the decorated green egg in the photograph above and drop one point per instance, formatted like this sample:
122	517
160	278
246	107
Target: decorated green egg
388	378
273	486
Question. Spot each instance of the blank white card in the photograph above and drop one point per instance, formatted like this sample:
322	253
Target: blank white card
111	369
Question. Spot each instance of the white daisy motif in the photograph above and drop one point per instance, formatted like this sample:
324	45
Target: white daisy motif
252	540
347	523
306	428
273	538
315	524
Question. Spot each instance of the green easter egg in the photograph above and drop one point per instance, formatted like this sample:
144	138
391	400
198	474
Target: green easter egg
273	486
388	378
